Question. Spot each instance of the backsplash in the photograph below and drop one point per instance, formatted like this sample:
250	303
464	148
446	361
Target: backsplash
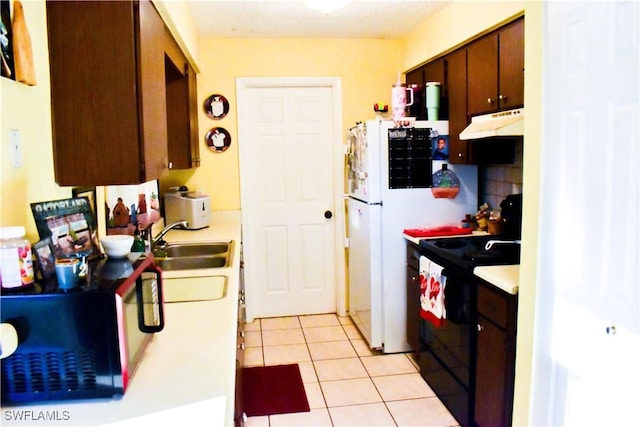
497	181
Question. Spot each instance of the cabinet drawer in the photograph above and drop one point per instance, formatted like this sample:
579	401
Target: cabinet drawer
413	257
493	306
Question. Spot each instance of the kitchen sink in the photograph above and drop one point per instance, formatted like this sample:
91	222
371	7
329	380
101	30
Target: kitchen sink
193	256
192	262
196	249
185	289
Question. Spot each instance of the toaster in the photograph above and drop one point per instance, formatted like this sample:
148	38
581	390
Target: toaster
193	207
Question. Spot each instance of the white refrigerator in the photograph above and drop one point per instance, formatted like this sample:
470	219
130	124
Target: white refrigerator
387	194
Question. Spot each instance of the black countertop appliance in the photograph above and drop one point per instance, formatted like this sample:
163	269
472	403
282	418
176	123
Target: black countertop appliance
512	216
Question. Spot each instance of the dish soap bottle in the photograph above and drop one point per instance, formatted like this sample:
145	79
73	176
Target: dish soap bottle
138	242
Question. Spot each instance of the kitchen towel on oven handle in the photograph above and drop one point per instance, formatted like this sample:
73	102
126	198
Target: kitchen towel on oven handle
432	285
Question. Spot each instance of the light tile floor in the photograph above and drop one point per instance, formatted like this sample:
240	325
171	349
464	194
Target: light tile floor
347	384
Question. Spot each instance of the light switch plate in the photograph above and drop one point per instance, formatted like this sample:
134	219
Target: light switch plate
16	148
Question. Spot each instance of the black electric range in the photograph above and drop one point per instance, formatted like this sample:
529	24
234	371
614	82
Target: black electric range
448	353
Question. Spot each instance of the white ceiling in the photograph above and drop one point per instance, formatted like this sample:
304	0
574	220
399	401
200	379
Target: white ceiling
377	19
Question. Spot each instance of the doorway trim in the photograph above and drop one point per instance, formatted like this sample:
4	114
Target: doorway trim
243	84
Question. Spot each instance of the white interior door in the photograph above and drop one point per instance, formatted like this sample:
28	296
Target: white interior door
290	209
587	348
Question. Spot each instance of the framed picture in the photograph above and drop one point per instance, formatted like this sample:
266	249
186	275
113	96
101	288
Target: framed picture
440	148
89	193
45	258
70	223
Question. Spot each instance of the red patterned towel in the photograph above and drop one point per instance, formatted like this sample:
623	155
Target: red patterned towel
432	285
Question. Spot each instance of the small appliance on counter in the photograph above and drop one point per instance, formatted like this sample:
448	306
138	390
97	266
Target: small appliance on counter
512	216
190	206
85	343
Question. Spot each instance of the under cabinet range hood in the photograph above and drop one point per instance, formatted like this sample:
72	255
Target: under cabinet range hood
503	123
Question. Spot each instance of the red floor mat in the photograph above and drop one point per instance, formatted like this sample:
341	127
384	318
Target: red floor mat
269	390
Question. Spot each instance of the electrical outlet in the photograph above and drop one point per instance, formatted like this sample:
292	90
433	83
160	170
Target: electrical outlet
16	148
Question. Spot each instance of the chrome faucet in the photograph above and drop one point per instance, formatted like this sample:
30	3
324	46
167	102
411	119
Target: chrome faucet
153	241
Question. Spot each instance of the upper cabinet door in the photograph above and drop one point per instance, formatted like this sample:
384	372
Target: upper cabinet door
496	70
456	66
107	92
482	75
511	85
152	91
181	101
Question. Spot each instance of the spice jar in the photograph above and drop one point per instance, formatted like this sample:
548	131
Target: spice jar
16	265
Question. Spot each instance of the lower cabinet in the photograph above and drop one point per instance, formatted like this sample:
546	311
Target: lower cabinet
239	415
413	297
495	364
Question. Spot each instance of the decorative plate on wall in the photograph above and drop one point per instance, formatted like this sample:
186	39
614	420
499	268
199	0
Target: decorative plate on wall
216	106
218	139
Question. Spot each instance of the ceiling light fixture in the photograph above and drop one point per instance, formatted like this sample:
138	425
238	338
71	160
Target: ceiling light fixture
326	6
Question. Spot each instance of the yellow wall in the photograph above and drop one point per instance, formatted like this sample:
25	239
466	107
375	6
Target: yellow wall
447	30
27	109
177	17
367	68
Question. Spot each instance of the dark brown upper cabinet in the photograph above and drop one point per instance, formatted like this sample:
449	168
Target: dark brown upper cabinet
456	78
182	114
495	67
109	92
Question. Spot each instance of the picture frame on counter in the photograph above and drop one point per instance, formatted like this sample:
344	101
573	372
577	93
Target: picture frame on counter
45	257
89	193
71	226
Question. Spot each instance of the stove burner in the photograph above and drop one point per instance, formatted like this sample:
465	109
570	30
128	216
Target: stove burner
450	243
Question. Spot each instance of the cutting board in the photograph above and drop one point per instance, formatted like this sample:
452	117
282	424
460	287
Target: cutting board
443	230
22	51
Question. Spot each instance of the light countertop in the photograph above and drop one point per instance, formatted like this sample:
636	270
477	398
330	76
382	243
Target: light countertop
188	370
505	277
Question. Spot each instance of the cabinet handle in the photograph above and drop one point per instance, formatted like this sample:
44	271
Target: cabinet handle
170	165
479	327
460	155
611	330
490	101
242	334
414	278
502	98
241	346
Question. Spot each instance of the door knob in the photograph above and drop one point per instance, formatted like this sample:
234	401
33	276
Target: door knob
328	214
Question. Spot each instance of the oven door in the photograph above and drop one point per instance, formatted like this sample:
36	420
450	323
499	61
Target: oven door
448	350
